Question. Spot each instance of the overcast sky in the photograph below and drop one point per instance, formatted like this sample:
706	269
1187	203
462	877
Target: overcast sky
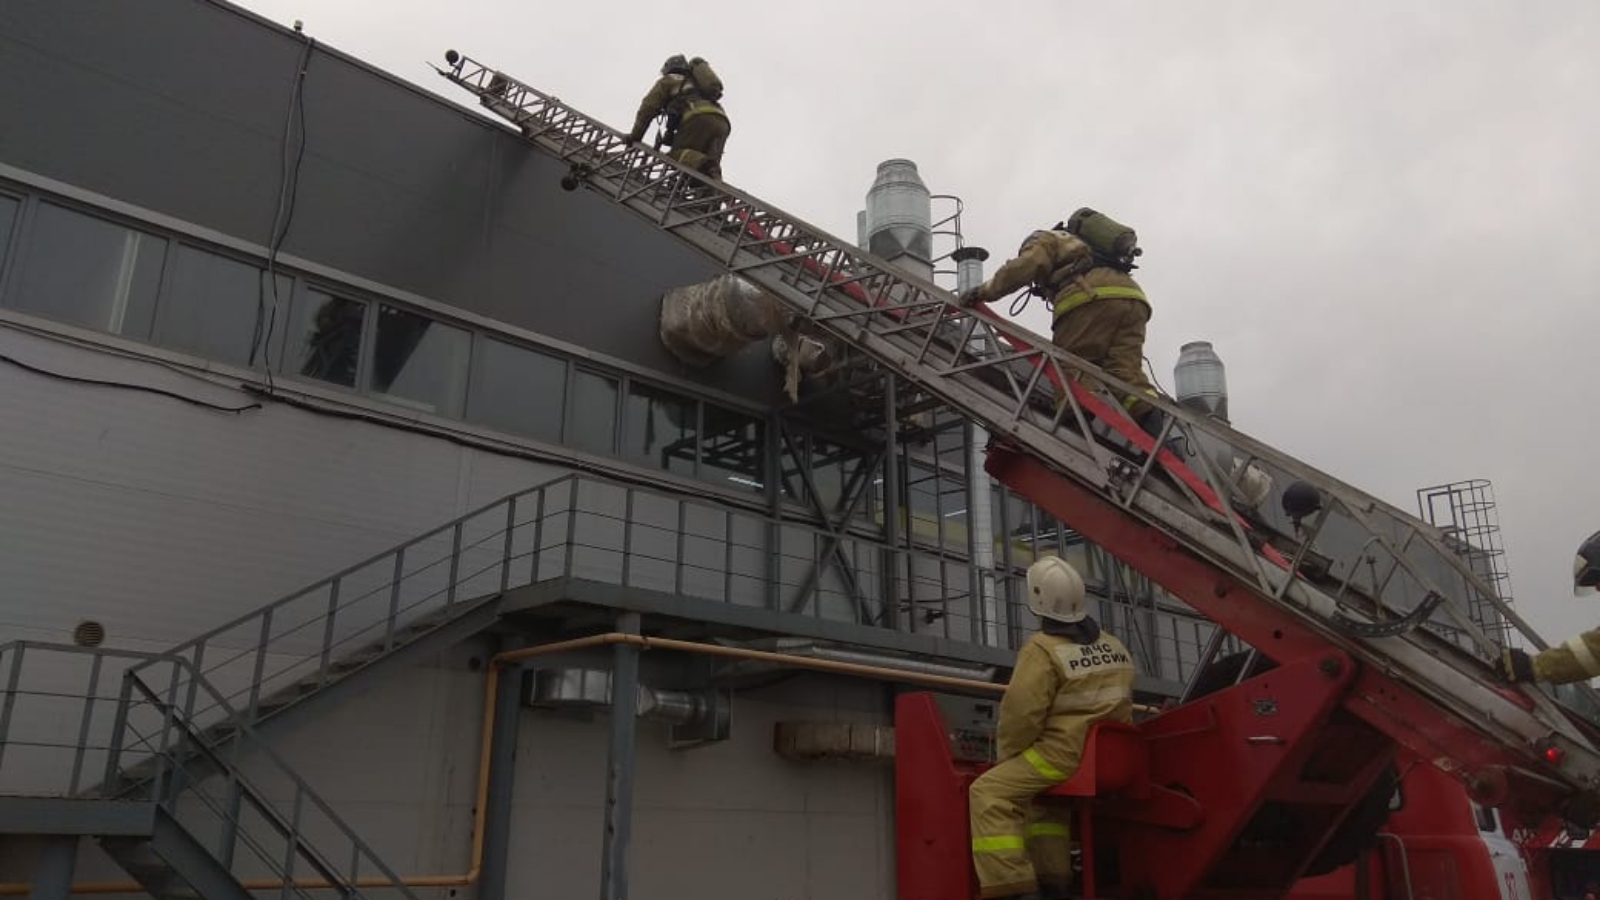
1379	213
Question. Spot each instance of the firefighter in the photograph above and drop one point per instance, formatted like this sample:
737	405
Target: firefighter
1098	312
1068	676
697	128
1579	658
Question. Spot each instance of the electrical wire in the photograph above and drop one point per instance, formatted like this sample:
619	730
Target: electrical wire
76	379
283	215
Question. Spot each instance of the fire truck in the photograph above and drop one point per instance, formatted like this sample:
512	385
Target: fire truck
1276	775
1415	832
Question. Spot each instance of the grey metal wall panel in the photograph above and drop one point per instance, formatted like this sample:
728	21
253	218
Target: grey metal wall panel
179	106
161	519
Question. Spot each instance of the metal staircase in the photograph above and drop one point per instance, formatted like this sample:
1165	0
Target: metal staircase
1359	575
174	738
195	821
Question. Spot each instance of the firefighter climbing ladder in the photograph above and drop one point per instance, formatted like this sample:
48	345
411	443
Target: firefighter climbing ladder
1440	699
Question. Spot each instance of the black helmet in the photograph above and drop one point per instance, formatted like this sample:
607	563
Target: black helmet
676	63
1586	565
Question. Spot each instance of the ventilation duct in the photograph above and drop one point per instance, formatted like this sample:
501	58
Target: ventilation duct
695	716
702	323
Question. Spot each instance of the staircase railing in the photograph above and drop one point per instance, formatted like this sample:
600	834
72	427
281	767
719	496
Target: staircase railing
58	717
584	527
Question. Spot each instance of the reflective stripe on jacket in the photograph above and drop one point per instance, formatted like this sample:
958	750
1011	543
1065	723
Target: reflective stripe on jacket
1054	262
1070	300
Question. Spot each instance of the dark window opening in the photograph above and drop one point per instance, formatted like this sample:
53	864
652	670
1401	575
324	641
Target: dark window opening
324	337
419	362
661	428
732	450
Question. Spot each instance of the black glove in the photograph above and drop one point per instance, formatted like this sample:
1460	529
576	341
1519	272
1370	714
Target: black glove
1515	666
972	297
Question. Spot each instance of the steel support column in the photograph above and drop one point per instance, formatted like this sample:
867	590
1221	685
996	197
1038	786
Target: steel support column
891	505
619	773
52	876
502	783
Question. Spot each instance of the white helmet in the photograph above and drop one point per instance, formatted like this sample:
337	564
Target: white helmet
1586	565
1055	590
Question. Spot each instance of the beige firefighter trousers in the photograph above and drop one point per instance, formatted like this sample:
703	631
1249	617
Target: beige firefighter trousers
1110	334
699	143
1018	844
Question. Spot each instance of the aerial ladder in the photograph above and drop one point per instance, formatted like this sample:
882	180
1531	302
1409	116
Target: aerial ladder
1362	609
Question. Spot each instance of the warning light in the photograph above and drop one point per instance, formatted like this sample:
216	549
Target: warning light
1553	755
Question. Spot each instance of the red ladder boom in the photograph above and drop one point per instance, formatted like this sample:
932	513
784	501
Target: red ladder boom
1420	665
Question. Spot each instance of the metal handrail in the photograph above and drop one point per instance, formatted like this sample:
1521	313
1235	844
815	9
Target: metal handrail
492	532
180	739
266	630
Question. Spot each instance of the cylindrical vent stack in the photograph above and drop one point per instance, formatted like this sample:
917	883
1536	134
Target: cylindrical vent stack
969	267
1202	381
899	218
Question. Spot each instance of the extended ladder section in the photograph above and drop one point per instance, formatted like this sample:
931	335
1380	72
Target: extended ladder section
1339	571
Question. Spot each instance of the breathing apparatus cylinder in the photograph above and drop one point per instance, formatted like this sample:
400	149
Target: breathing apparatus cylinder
1105	235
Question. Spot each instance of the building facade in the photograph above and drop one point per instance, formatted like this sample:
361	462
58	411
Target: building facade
295	356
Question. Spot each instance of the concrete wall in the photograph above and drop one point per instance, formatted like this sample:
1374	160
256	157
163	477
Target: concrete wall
161	104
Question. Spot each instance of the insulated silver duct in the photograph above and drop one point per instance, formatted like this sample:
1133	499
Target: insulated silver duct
590	689
703	323
980	520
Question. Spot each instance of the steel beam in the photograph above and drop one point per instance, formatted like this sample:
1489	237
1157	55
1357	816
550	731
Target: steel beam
891	505
52	875
620	768
69	816
502	784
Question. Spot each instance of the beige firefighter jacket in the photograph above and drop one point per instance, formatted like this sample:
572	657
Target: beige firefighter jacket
1058	689
1576	660
673	94
1046	261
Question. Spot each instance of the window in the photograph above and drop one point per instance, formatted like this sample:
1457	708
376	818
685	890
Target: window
220	308
732	449
8	218
322	337
419	362
515	389
90	272
660	428
593	416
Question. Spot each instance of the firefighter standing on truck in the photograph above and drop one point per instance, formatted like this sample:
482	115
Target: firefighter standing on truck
1098	312
1068	676
1579	658
697	128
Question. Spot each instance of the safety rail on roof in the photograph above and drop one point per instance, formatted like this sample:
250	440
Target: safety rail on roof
916	330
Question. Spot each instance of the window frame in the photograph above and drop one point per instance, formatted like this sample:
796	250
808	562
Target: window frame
305	276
